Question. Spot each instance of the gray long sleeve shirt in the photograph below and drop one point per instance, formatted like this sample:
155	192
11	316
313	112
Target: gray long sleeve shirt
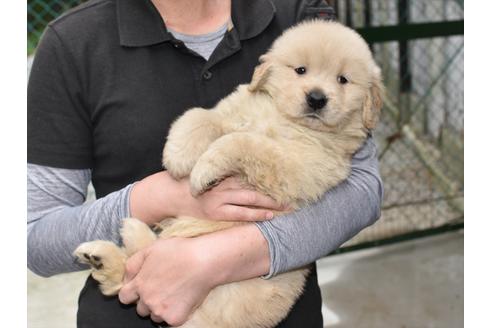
58	220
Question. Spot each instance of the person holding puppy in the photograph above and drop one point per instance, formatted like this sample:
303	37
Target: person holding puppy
108	80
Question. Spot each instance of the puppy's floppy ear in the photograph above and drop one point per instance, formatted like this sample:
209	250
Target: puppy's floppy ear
260	75
374	101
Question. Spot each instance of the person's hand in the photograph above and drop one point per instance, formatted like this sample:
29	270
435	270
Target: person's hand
231	201
168	280
172	277
159	196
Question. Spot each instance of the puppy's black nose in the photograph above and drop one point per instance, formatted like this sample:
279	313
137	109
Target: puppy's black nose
316	100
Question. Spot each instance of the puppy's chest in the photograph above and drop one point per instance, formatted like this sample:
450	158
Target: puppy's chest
266	127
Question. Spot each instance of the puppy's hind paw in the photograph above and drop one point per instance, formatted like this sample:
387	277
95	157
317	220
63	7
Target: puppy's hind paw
136	235
107	262
100	254
87	253
93	260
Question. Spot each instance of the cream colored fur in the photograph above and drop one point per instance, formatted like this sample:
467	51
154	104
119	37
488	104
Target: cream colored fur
262	134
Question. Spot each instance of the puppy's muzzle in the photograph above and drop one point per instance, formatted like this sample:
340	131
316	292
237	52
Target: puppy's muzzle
316	100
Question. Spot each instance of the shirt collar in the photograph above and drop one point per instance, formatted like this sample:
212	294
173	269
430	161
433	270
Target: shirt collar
140	24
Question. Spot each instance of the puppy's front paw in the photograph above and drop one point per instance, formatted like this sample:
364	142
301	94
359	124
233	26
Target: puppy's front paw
203	178
189	137
177	163
107	262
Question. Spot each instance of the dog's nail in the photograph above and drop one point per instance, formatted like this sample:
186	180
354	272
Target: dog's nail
212	183
96	258
87	256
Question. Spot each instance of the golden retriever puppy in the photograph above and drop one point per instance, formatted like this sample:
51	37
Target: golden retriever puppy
290	134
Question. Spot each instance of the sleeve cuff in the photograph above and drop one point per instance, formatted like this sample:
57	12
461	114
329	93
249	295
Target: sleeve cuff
125	206
266	229
123	211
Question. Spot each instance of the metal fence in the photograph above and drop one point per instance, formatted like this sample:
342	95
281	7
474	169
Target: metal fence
419	46
40	13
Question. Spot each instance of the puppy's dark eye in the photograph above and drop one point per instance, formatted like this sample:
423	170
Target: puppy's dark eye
342	79
300	70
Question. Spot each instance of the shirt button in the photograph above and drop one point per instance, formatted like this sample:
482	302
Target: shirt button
207	75
177	44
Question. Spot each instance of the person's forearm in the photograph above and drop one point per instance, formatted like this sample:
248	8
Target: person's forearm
310	233
52	240
157	197
235	254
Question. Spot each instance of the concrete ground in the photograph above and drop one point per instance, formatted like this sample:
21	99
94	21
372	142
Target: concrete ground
416	284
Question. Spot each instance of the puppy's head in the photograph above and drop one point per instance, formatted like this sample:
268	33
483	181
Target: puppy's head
321	75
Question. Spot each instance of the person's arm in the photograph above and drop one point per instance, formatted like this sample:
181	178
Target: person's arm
58	221
312	232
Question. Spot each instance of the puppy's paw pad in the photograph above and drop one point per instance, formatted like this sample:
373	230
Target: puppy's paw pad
94	261
94	253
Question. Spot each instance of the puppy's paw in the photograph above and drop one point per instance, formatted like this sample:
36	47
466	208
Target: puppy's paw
89	253
178	164
107	262
136	235
203	178
189	137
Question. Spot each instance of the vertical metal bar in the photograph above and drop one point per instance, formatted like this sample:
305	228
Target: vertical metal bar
348	13
367	13
404	65
405	78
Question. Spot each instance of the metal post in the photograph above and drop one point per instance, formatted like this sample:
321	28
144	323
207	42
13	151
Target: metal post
404	62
